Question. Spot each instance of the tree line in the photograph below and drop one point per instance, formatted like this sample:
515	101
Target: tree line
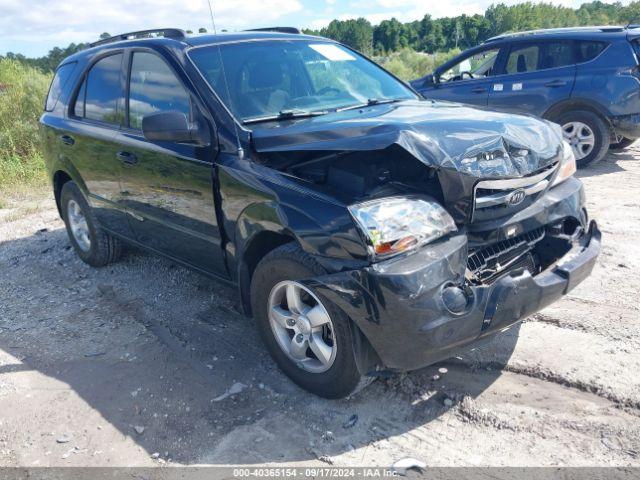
431	35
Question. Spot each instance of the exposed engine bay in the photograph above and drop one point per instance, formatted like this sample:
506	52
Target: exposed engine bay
361	175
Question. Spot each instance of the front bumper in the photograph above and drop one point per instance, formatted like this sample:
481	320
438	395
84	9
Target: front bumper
398	304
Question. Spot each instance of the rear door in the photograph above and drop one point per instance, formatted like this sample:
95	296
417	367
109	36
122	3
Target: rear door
95	118
535	76
468	80
167	187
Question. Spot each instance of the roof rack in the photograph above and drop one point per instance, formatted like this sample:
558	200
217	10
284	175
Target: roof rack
293	30
175	33
549	31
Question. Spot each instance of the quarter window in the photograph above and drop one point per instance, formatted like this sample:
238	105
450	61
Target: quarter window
154	88
101	96
59	81
589	50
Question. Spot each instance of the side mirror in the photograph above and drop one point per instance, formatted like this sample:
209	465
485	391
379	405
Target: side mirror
430	80
172	126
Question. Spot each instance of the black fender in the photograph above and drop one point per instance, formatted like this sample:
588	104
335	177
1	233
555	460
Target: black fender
259	229
64	167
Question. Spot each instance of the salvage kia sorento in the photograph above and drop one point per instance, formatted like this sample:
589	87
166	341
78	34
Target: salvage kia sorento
366	229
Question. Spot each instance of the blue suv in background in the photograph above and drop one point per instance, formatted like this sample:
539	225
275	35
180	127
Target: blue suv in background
586	79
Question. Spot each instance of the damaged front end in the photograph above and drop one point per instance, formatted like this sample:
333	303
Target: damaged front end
471	220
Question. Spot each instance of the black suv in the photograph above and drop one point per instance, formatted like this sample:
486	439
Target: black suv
366	229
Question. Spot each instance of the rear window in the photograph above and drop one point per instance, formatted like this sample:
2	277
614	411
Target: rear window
589	50
59	81
101	96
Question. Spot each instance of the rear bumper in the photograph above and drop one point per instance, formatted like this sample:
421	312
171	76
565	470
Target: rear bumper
399	306
627	126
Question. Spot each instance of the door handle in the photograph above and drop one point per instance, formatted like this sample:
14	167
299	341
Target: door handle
555	83
67	140
127	157
479	90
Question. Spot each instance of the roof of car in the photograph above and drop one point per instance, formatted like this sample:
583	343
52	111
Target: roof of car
594	32
181	39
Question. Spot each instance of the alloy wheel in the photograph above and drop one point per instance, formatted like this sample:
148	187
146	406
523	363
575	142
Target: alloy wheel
302	326
78	225
581	138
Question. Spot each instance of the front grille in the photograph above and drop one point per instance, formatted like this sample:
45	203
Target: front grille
493	198
488	263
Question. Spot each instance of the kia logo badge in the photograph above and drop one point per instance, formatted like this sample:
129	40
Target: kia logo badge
516	197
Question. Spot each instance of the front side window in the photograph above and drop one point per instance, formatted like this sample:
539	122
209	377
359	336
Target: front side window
478	65
523	59
154	88
59	81
266	78
101	96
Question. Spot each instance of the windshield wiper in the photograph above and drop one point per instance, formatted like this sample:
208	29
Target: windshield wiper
286	115
370	102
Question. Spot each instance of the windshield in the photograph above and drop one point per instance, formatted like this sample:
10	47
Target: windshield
276	77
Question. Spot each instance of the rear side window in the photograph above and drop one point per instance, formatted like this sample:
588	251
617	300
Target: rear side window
540	56
589	50
101	97
59	81
557	55
154	88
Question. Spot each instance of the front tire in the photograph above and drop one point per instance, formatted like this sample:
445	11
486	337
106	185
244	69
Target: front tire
307	335
92	244
587	133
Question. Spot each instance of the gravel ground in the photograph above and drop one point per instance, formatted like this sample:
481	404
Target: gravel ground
130	365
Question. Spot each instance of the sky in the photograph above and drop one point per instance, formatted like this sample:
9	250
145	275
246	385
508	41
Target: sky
33	27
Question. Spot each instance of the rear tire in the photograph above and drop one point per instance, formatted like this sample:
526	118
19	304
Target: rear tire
587	133
622	144
279	269
92	244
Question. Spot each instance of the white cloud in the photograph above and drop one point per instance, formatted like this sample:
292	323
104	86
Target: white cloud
83	20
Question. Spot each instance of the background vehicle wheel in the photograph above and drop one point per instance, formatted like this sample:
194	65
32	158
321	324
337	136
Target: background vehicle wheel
309	338
622	144
588	135
91	243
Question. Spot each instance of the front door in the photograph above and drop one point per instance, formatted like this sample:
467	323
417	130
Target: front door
468	80
167	187
536	76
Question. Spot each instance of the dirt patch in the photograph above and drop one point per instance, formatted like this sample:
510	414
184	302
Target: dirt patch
133	364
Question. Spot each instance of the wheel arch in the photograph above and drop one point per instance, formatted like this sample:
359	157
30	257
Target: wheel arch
259	230
577	104
62	174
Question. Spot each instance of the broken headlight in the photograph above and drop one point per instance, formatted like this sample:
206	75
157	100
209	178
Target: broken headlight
567	164
395	225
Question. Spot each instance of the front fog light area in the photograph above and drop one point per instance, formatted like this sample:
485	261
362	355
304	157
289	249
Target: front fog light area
400	224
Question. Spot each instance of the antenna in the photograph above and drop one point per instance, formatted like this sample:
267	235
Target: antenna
224	76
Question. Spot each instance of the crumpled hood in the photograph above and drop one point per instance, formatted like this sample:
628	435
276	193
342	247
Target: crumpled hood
444	135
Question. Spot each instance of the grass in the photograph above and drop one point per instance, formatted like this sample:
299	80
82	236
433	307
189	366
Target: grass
22	93
408	64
